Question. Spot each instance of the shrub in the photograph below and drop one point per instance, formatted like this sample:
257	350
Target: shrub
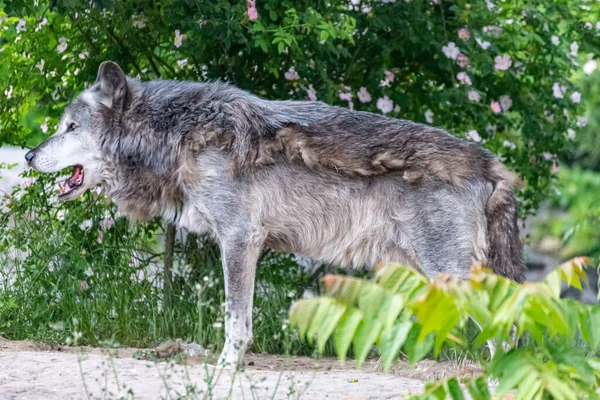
401	310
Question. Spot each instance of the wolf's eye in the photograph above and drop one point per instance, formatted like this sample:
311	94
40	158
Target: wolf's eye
71	127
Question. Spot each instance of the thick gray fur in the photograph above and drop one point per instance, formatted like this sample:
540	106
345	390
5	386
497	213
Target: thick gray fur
215	159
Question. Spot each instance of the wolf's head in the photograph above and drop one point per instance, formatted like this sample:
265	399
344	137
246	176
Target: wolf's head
77	142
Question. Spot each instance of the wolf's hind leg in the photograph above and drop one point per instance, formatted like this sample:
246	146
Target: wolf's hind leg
240	252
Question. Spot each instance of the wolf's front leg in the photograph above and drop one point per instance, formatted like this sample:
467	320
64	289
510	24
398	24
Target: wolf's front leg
240	253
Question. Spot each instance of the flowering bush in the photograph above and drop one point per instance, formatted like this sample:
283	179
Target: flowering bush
500	69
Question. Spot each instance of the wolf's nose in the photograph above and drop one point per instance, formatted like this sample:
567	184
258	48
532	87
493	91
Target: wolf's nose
30	156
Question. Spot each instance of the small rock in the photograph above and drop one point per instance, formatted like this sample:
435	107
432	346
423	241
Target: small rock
169	348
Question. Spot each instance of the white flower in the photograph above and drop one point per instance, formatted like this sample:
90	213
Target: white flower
558	90
182	63
62	45
576	97
590	66
482	43
40	65
474	95
505	102
510	145
474	136
85	225
83	55
581	121
570	133
451	51
139	21
574	49
21	25
8	93
429	116
555	40
490	128
385	104
41	24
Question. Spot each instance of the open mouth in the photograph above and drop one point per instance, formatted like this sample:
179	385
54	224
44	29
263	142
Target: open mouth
73	183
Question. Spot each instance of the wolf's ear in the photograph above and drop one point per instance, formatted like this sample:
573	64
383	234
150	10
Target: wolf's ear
112	85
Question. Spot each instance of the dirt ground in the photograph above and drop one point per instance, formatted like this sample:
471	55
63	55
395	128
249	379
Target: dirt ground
33	371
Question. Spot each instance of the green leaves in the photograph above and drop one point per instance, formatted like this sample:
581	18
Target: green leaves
399	309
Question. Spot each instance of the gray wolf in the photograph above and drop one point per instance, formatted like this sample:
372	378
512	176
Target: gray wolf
259	174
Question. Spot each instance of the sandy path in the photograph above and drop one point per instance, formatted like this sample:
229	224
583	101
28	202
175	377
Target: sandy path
51	375
30	370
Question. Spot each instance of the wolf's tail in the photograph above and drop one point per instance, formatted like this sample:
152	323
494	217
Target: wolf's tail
504	244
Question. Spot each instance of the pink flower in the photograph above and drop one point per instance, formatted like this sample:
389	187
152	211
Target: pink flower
363	95
495	106
558	90
311	93
347	96
505	102
291	75
178	38
83	285
576	97
464	78
385	104
44	126
503	62
107	223
252	13
389	76
474	95
554	169
451	51
462	61
464	34
100	237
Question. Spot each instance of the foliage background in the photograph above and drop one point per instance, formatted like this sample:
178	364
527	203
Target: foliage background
515	89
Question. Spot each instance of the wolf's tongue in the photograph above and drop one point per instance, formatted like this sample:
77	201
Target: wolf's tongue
74	181
77	177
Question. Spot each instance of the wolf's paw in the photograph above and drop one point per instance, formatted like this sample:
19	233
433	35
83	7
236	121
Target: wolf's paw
231	358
